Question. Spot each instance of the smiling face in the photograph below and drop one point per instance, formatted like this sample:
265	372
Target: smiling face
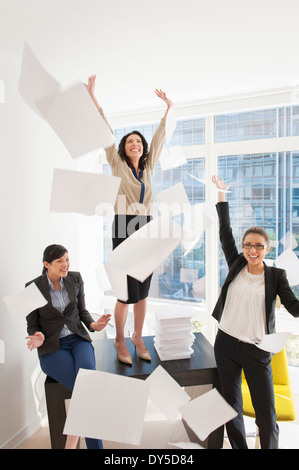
134	147
58	267
254	256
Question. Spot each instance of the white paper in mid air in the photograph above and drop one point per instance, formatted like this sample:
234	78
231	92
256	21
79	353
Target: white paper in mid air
170	125
173	200
206	413
289	241
76	120
25	301
118	281
71	113
289	261
209	183
274	342
166	393
35	83
107	406
196	220
172	157
82	192
141	253
102	278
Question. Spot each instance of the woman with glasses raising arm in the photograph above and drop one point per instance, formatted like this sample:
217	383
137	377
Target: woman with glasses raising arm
245	311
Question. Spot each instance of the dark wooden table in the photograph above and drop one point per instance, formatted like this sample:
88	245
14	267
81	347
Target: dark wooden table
200	369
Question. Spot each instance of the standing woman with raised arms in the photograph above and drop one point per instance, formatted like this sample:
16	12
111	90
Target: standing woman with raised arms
245	311
134	163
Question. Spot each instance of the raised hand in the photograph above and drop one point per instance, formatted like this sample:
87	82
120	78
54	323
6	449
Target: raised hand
162	95
90	86
221	186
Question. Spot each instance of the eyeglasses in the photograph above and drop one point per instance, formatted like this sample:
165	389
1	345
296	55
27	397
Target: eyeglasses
258	246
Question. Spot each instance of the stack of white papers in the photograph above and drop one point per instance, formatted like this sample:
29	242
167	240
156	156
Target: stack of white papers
174	337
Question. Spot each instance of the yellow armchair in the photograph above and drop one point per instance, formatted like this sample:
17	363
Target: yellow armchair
284	403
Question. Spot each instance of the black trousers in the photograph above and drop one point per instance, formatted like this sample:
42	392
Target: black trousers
232	356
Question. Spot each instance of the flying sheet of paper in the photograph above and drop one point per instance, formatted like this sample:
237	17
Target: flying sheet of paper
172	157
141	253
71	113
166	393
289	261
173	200
289	241
102	278
188	275
206	413
35	83
118	281
209	183
25	301
274	342
196	221
107	406
85	193
170	125
76	120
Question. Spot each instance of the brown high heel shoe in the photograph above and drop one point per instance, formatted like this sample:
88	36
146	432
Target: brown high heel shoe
145	356
124	359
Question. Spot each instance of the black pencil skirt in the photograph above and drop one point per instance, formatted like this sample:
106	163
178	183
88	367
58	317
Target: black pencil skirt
123	226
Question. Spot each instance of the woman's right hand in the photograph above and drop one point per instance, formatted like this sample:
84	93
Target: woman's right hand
35	341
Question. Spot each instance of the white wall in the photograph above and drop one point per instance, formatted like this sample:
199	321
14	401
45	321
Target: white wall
29	150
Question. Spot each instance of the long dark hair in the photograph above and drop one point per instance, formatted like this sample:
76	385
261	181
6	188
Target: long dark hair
53	252
122	152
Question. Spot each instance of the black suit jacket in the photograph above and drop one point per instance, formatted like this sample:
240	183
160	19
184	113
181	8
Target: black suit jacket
50	321
276	282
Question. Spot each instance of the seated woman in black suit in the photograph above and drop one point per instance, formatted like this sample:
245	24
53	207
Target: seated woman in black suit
245	311
56	330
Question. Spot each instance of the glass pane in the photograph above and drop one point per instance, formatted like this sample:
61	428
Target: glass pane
265	192
182	277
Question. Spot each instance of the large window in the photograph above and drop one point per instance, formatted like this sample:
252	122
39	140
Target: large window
262	124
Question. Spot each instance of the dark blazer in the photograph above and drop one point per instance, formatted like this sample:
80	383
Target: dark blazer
50	321
276	282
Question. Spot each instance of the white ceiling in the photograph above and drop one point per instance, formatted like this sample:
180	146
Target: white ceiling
193	49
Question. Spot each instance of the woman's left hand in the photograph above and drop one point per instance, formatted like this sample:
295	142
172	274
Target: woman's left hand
100	323
162	95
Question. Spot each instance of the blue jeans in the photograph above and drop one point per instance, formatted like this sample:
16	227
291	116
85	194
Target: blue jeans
63	365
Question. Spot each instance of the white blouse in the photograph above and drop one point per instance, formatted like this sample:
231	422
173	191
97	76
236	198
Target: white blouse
244	313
